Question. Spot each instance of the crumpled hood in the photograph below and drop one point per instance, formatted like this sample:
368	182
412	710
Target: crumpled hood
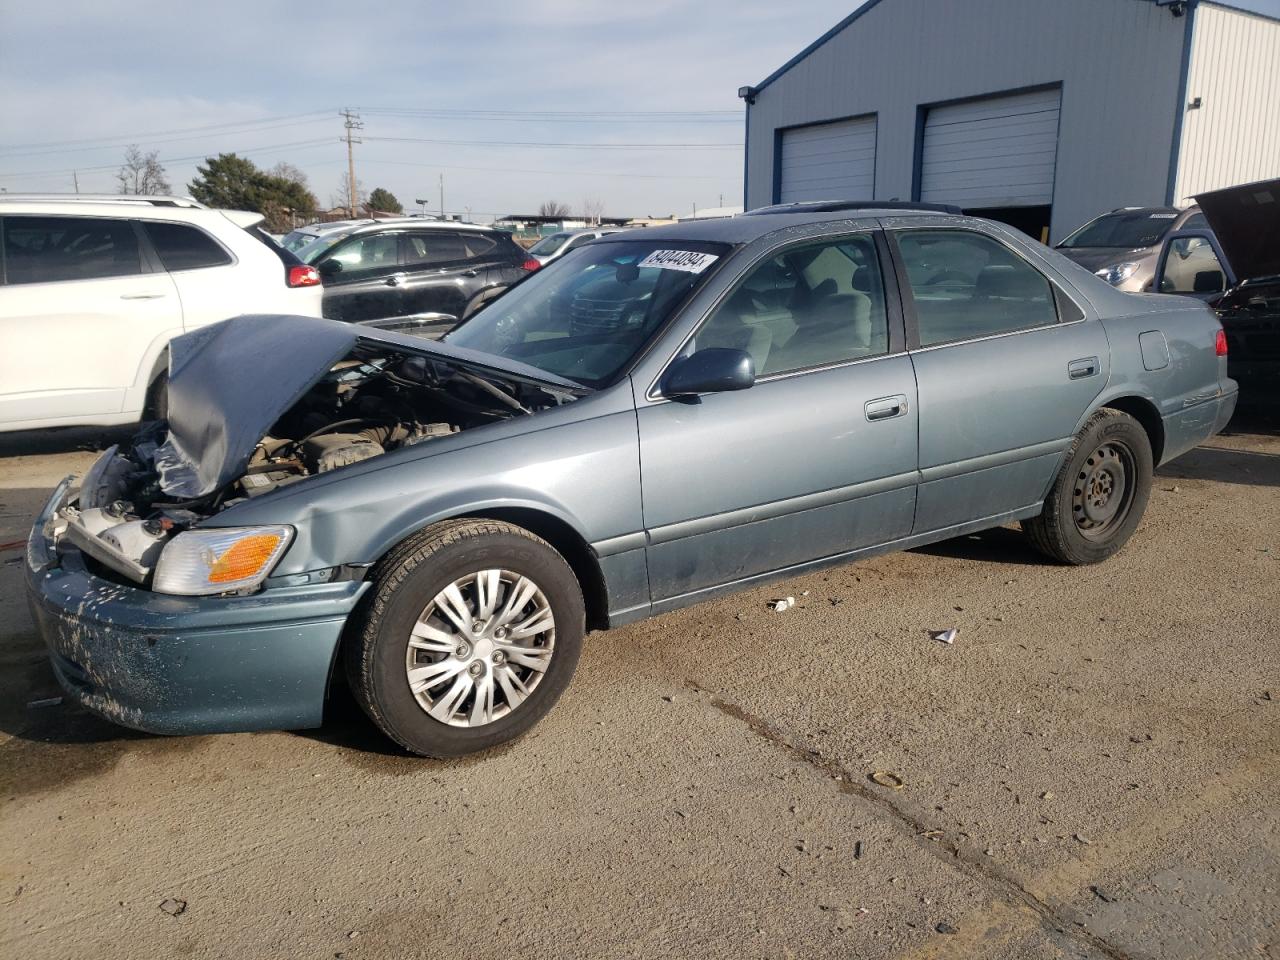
230	381
1246	221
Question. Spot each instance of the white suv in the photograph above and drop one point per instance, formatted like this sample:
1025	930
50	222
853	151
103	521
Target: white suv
92	288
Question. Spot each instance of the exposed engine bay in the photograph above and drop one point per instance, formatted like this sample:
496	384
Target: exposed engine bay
373	401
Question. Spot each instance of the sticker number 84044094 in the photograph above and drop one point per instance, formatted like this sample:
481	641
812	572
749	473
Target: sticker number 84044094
690	261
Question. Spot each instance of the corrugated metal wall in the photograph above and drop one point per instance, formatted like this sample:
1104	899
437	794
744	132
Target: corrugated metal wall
1118	62
1234	136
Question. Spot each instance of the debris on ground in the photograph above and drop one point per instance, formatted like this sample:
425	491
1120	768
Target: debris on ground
947	636
857	849
1047	795
174	907
1080	839
884	778
786	603
46	702
1102	895
669	698
946	928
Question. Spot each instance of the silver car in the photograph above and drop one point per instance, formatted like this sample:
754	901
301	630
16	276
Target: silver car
664	417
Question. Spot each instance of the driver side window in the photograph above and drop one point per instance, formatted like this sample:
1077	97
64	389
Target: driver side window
809	306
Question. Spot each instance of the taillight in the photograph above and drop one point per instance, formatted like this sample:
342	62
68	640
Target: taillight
1220	345
304	276
530	265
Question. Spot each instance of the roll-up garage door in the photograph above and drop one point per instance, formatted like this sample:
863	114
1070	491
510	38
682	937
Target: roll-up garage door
992	153
829	161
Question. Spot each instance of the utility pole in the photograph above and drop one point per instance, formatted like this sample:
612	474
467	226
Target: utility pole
442	216
352	122
75	178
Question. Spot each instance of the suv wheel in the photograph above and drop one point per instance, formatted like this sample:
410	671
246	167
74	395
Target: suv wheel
470	634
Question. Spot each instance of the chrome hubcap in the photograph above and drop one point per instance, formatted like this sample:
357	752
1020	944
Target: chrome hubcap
1102	494
480	648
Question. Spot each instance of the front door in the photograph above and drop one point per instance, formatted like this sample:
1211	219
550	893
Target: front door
818	458
77	315
1006	364
363	278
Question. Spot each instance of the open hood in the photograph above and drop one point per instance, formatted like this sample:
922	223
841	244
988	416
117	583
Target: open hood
1246	221
229	382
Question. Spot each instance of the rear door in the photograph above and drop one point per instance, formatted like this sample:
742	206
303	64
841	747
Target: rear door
203	271
363	278
1006	366
818	458
80	307
440	271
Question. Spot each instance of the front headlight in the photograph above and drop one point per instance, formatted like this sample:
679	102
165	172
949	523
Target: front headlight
201	562
1117	273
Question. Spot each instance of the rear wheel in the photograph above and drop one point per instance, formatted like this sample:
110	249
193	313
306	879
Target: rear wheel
471	633
157	405
1100	493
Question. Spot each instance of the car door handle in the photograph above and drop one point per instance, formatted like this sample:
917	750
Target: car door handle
141	296
1082	368
471	273
886	408
395	280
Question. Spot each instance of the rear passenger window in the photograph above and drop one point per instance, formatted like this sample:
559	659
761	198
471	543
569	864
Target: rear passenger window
476	245
966	285
185	248
813	305
51	249
426	249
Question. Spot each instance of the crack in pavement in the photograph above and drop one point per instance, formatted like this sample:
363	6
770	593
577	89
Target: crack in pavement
961	856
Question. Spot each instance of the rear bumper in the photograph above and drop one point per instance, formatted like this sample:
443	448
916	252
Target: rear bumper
182	665
1195	424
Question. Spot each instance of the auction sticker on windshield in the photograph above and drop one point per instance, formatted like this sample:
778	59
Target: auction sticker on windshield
687	260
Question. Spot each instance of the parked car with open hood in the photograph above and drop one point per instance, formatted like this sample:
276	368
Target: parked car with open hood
1122	246
661	418
407	266
92	289
1233	264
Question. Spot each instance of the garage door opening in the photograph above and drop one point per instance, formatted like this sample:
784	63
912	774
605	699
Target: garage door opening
1033	221
994	157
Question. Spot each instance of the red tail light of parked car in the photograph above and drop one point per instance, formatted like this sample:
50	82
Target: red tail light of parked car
530	265
1220	345
304	275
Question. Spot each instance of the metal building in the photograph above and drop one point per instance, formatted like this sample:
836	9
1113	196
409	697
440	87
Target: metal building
1041	113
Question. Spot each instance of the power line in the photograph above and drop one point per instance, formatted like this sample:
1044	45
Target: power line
583	146
297	145
125	140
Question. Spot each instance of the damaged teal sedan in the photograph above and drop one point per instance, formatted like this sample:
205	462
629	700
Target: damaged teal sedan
658	418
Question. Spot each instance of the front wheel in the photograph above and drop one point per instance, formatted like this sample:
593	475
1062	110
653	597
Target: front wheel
470	634
1099	495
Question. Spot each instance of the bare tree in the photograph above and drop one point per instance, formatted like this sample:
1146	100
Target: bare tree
552	208
592	211
342	197
287	171
141	173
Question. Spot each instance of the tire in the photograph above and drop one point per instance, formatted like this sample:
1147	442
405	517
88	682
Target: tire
1099	495
397	683
157	405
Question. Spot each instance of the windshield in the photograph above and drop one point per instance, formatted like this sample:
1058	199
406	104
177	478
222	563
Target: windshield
296	240
587	316
1127	228
549	245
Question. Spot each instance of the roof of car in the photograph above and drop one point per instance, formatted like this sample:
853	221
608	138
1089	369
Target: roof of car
362	226
117	205
750	226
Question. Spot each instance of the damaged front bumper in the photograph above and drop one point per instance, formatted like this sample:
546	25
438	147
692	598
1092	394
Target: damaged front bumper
183	665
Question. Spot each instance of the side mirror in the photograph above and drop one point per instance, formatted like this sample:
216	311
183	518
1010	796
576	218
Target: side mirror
712	370
330	268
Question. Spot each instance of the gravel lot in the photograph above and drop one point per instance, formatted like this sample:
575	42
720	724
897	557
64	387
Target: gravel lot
1089	771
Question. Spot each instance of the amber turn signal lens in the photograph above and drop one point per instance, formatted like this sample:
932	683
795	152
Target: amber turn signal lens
244	558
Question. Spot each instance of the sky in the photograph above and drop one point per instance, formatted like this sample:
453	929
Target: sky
654	124
633	105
